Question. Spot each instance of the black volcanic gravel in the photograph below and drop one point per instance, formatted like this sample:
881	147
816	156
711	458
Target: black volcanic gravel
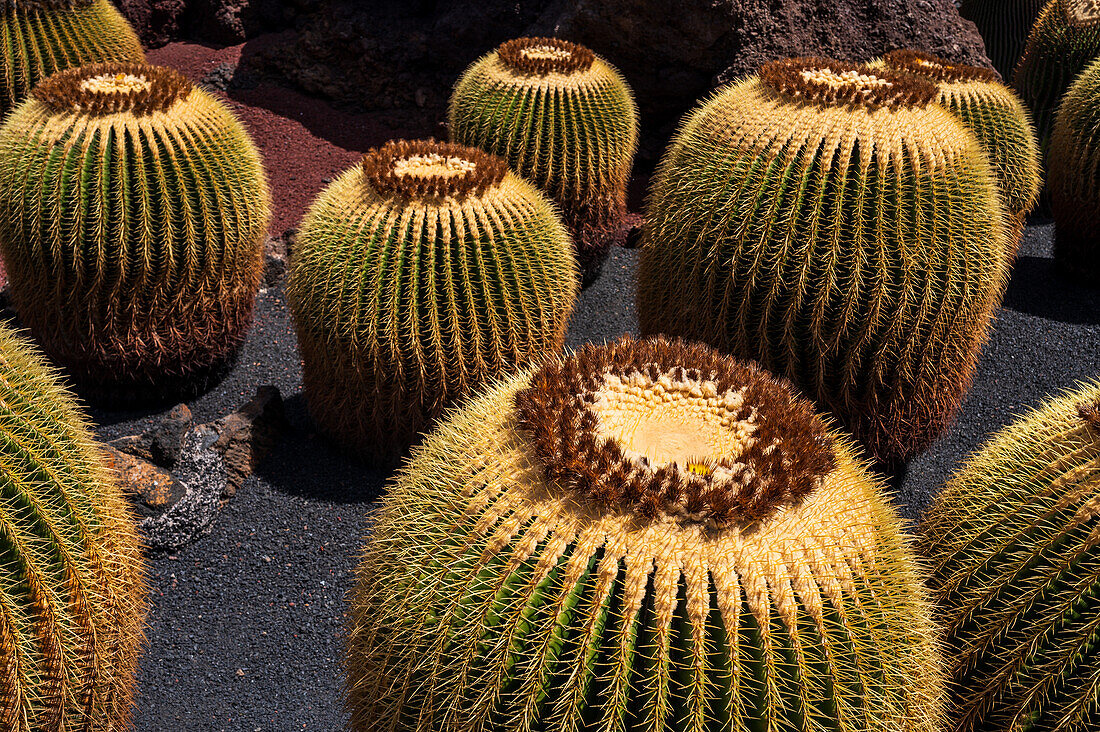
246	626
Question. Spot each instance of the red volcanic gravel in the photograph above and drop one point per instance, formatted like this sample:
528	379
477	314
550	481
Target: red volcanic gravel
303	140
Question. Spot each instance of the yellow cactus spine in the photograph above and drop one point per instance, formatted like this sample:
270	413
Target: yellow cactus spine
563	118
1075	181
42	37
640	536
133	208
997	118
419	274
1014	545
72	574
1065	38
832	222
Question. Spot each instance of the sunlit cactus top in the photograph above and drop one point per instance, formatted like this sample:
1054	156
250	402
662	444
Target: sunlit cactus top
543	57
832	83
936	68
429	169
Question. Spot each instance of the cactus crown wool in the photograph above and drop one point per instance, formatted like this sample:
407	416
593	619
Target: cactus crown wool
1081	13
936	68
112	88
829	82
787	224
499	591
563	118
545	56
72	574
719	442
427	269
426	168
1014	545
133	207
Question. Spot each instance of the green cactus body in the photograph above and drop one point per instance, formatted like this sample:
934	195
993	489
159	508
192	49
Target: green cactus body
642	536
42	37
1074	159
1014	544
417	275
1065	38
72	574
133	208
1004	25
831	222
997	118
564	119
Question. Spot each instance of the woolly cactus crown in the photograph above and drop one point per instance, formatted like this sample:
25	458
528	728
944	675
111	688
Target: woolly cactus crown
642	535
829	82
427	169
101	89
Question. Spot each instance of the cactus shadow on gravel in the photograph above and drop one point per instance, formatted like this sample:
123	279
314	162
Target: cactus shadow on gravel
1037	289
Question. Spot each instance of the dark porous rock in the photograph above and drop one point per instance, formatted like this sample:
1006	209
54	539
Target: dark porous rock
161	443
245	437
157	22
277	251
408	53
150	488
201	472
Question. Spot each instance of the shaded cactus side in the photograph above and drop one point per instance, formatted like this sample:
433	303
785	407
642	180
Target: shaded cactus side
1074	172
837	226
72	574
566	120
1014	545
1004	26
133	208
44	37
417	275
526	573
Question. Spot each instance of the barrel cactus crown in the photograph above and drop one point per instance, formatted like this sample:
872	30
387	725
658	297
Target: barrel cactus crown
997	118
42	37
418	274
72	575
133	208
1074	173
564	119
1004	25
1014	544
640	536
1065	38
833	223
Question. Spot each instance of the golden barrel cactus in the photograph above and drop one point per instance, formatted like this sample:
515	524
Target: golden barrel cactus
563	118
832	222
645	535
1014	545
1074	174
417	275
1064	39
42	37
133	209
72	574
997	118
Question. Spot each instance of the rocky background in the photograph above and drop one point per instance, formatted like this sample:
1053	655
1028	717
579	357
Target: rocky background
393	54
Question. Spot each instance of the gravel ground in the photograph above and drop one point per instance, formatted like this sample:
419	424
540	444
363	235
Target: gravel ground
246	624
245	629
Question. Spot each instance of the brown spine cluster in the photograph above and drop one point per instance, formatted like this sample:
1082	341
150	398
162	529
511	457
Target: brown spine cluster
575	58
63	92
378	169
1090	412
936	68
790	456
1080	13
787	76
37	6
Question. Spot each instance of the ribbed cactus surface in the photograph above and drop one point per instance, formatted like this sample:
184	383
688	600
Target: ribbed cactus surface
640	536
834	223
1004	25
563	118
418	274
997	118
1065	38
72	575
1014	545
133	208
1074	174
42	37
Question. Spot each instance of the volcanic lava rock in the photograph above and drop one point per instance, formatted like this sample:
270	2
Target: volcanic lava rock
378	55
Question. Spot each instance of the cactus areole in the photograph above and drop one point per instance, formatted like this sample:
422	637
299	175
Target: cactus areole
676	432
643	535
